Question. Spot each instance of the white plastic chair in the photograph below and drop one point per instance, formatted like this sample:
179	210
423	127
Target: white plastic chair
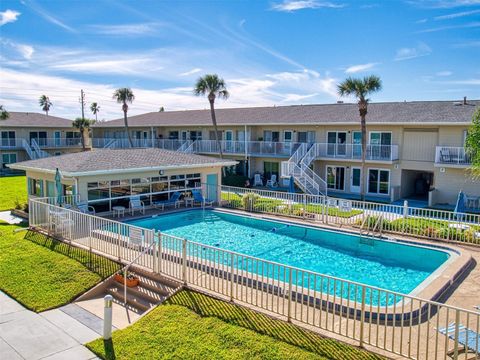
345	205
257	180
136	204
273	181
135	237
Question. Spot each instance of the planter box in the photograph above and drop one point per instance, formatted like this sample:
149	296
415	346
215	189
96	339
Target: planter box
130	282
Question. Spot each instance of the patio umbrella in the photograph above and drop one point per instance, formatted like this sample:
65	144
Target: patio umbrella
59	187
460	206
291	185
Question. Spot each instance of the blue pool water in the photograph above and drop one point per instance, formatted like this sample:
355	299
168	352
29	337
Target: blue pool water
389	265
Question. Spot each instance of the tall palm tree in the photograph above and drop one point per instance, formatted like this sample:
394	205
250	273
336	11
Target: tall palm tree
124	96
361	88
45	103
212	86
95	109
83	125
4	115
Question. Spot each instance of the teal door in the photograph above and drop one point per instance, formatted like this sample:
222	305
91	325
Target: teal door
212	187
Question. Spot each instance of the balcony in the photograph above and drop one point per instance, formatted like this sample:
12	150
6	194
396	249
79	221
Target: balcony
380	153
10	143
249	148
452	156
17	143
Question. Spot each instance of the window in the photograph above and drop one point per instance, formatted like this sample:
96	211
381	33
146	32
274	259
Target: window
380	145
288	136
270	168
35	187
336	177
39	136
195	135
7	138
269	135
336	143
173	135
380	138
8	159
378	181
50	188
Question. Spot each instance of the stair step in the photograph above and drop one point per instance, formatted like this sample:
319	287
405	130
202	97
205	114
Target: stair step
145	293
133	299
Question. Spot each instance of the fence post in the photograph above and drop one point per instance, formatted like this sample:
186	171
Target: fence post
457	324
184	261
289	310
90	233
231	277
362	316
325	199
159	256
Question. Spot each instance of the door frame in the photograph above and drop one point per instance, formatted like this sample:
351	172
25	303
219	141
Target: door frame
353	188
344	176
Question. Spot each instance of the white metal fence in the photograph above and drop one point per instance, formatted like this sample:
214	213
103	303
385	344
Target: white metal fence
397	323
405	220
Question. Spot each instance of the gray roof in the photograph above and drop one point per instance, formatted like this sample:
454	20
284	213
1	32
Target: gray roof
25	119
119	160
431	112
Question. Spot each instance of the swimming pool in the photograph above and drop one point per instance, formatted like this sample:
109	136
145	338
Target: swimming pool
390	265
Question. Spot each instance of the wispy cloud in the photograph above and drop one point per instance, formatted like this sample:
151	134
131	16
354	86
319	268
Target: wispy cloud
360	68
190	72
49	17
456	15
126	29
443	73
294	5
451	27
24	50
473	82
443	4
421	21
467	44
420	50
8	16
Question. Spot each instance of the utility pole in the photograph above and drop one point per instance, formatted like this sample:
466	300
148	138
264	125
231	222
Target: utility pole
82	102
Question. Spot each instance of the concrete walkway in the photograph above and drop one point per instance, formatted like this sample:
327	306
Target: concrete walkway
53	334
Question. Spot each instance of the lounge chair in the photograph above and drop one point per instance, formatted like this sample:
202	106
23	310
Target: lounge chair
83	207
257	180
198	198
136	204
273	181
468	339
135	238
173	201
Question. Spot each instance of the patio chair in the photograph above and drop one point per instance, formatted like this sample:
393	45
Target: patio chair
273	181
135	238
173	201
198	198
83	207
445	155
345	205
257	180
332	202
136	204
467	338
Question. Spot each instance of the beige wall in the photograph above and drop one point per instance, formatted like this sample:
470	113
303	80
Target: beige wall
450	182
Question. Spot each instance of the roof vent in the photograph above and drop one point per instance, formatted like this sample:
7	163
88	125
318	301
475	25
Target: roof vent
339	101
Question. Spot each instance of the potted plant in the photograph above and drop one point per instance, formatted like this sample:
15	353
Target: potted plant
132	280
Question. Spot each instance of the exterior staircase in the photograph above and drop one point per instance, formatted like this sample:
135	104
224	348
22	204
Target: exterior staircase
298	166
151	291
34	152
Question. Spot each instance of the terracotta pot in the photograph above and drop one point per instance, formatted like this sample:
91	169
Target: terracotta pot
130	282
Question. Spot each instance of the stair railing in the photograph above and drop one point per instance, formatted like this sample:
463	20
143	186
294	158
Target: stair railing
28	149
39	152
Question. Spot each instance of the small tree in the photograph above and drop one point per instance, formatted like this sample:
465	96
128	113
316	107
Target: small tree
95	109
472	143
4	115
162	109
83	125
45	103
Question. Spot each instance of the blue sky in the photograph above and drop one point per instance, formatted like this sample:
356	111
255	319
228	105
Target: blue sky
269	52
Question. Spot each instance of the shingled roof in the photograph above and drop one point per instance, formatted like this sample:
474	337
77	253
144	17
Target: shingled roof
25	119
119	160
416	112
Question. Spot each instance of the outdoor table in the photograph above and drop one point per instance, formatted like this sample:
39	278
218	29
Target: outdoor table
189	201
119	210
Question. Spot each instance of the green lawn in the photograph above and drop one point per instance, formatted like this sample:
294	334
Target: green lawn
194	326
42	273
12	189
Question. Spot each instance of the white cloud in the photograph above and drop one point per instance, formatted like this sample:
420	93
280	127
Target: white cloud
190	72
443	4
421	21
50	18
457	15
8	16
474	82
126	29
444	73
134	66
467	44
359	68
25	51
451	27
294	5
420	50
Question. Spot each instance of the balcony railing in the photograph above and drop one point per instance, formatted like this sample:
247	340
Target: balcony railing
354	151
12	143
258	148
449	155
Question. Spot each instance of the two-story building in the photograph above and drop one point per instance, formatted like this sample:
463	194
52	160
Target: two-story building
26	136
415	150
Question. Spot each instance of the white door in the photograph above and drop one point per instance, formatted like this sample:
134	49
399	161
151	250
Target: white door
355	179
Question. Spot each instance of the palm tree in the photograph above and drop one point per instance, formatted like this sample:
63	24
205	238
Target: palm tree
4	115
82	125
361	88
212	86
162	109
124	96
45	103
95	109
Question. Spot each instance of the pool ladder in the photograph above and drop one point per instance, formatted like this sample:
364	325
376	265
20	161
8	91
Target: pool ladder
376	230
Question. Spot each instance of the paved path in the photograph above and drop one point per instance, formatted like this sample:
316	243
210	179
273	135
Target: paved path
53	334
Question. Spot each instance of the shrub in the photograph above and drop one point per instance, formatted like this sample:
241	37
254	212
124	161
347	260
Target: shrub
234	180
249	200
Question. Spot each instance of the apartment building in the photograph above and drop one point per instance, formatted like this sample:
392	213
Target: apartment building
26	136
415	149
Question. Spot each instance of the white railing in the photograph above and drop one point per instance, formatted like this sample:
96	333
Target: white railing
28	149
404	220
170	144
58	142
354	151
187	146
258	148
449	155
11	143
39	153
397	323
